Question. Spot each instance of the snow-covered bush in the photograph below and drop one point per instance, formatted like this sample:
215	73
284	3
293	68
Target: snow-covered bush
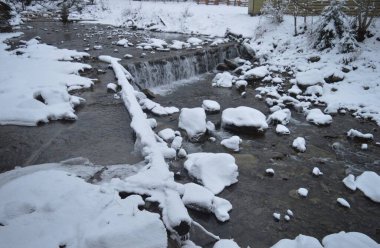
274	10
365	12
333	29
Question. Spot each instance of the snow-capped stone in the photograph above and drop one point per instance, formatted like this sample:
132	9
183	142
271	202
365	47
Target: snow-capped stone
301	241
277	216
349	240
210	106
212	139
182	153
244	118
122	42
193	121
98	47
303	192
152	122
280	116
277	80
214	170
269	171
309	78
369	183
352	133
281	129
176	143
274	108
315	90
286	217
299	144
295	90
241	84
256	73
317	117
128	56
194	41
167	134
112	86
223	80
349	182
290	212
226	243
317	172
232	143
210	126
364	147
343	202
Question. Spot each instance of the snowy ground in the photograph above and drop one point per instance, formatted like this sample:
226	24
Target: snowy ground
41	94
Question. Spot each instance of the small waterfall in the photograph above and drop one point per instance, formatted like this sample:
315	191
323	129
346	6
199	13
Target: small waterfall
158	72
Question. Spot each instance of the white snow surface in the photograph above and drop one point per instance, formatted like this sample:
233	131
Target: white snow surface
309	78
226	243
301	241
41	72
193	121
210	105
244	117
299	144
369	183
52	207
317	117
232	143
214	170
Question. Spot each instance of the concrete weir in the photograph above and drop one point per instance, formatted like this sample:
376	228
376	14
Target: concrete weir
178	66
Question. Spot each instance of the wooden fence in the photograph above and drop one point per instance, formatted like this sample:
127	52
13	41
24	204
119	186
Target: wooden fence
242	3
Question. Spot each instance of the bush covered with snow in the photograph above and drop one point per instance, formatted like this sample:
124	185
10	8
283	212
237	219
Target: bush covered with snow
333	29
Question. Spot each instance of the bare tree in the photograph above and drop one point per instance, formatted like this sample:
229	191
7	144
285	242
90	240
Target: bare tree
365	12
275	9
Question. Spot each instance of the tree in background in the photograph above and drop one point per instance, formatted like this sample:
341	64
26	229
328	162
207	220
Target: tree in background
334	29
275	10
365	12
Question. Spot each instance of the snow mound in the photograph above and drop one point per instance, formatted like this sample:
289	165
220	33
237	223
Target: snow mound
369	183
226	243
280	116
214	170
34	86
223	80
309	78
349	182
256	73
167	134
352	133
244	117
232	143
210	106
193	121
194	41
64	209
281	129
348	240
303	192
156	108
299	144
301	241
317	117
343	202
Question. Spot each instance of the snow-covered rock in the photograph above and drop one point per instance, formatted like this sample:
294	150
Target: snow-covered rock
112	86
280	116
303	192
301	241
223	80
352	133
214	170
369	183
122	42
299	144
210	106
176	143
364	147
281	129
317	172
167	134
309	78
290	212
244	119
349	240
194	41
241	84
343	202
256	73
226	243
193	121
269	171
232	143
277	216
349	182
182	153
315	90
317	117
295	90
